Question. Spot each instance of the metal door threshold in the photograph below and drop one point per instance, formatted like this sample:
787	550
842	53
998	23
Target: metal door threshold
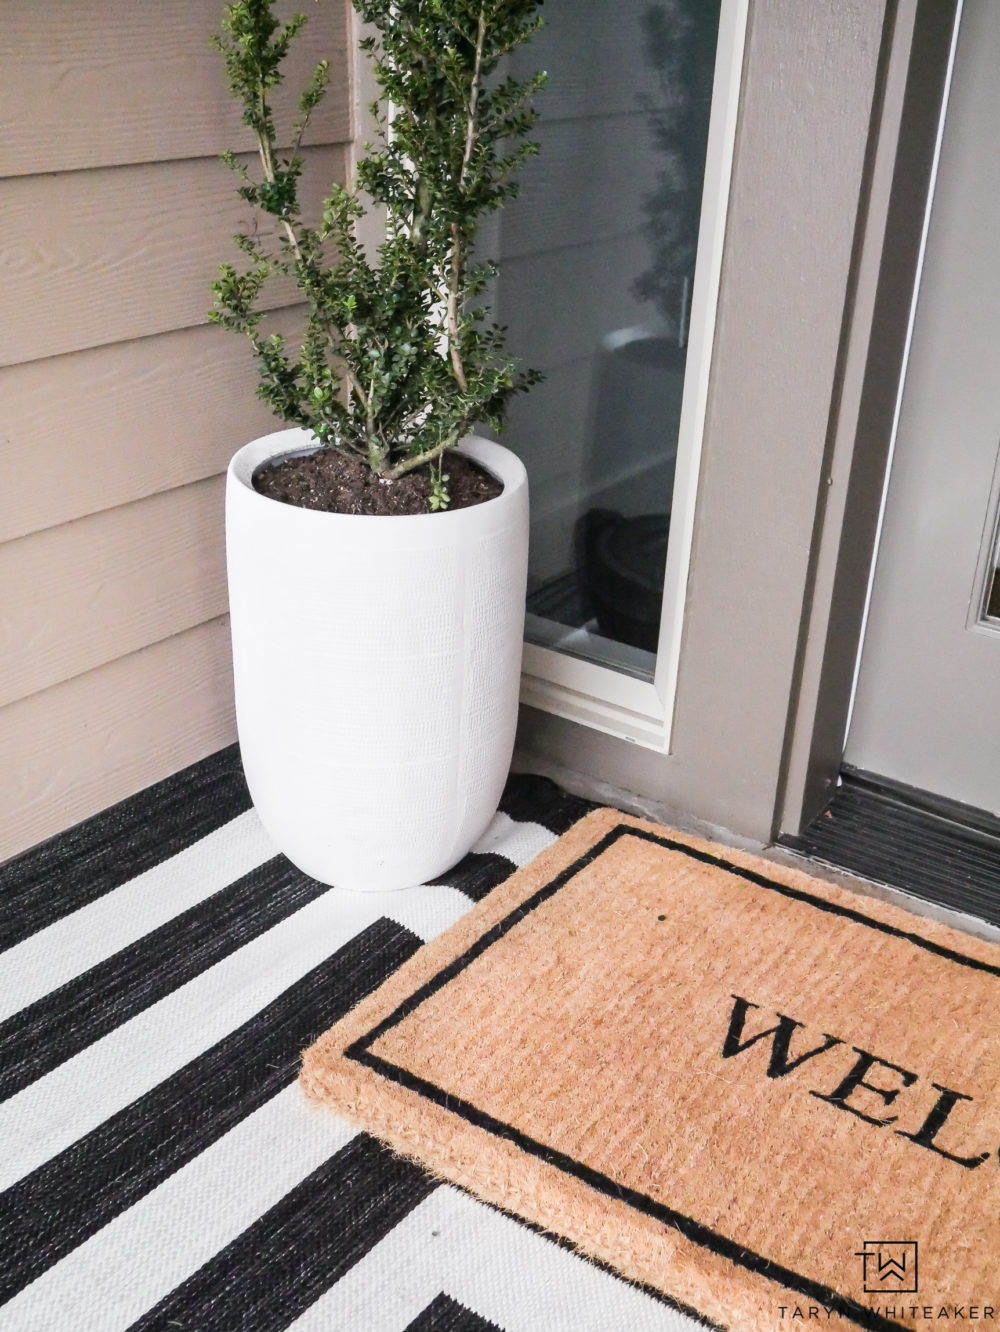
935	848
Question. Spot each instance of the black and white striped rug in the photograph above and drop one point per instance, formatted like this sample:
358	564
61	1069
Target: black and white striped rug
161	968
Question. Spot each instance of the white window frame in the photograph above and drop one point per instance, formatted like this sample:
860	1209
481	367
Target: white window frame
610	700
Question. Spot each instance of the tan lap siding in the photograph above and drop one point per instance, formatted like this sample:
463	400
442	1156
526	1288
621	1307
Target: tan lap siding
80	746
102	83
84	593
122	252
117	429
119	403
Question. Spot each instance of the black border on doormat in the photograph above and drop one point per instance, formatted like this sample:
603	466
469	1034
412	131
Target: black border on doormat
359	1051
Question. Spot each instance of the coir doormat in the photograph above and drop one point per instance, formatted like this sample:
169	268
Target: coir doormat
767	1097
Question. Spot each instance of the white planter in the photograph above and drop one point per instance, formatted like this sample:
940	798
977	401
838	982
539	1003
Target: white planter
377	665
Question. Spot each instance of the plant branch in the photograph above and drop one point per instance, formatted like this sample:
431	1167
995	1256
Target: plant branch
428	455
451	315
477	77
455	274
270	175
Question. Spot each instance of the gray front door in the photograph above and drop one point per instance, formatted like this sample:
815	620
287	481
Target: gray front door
927	706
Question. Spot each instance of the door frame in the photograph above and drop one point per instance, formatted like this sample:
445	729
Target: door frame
865	419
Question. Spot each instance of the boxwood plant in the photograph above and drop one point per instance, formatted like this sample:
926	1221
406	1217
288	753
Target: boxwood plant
399	357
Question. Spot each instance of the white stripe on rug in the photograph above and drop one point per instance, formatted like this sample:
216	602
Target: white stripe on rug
133	1262
519	842
427	911
70	946
97	931
493	1265
57	1109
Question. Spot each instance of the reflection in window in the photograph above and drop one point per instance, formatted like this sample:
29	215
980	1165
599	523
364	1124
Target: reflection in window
597	275
993	596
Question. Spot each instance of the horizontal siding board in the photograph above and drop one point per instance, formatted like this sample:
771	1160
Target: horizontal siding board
104	84
81	594
95	257
72	750
98	428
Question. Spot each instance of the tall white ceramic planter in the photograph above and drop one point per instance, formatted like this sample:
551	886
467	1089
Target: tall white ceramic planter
377	666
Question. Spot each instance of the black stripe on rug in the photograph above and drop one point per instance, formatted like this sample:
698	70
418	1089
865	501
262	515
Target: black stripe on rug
40	1037
444	1314
477	874
284	1262
75	867
48	1213
529	798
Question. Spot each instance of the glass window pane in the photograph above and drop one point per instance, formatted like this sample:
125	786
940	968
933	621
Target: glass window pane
595	288
992	608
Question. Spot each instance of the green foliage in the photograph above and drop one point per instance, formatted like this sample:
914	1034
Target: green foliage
395	365
439	496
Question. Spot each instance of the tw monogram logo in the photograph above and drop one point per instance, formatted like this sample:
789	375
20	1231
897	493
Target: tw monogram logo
889	1265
